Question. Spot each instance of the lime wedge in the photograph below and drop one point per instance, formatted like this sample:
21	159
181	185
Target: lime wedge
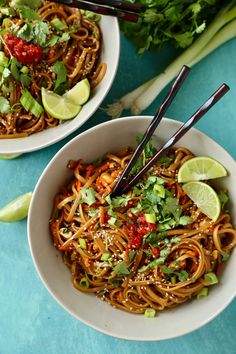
79	94
200	168
17	209
9	156
204	197
59	107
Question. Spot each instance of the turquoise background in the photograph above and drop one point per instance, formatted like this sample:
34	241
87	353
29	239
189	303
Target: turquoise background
30	319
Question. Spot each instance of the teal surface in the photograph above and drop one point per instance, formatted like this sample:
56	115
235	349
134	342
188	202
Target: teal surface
30	319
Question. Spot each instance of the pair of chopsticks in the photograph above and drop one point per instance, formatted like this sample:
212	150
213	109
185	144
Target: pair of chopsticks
123	10
125	183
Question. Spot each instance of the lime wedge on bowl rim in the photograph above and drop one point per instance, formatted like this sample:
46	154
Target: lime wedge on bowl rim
204	197
59	107
200	168
9	156
79	94
17	209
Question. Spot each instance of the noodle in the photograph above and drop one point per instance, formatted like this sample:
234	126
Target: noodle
79	51
114	252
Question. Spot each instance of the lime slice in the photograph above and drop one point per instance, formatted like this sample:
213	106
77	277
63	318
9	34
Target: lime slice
204	197
200	168
80	93
9	156
59	107
17	209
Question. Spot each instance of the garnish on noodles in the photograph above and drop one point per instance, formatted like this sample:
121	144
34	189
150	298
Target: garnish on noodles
145	251
43	44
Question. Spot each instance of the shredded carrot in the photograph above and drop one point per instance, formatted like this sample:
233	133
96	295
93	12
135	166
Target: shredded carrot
86	261
95	247
104	167
102	215
78	185
191	253
180	191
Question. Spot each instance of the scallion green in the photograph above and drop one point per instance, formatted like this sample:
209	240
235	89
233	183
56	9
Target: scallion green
82	243
84	283
150	313
30	104
58	24
211	278
202	293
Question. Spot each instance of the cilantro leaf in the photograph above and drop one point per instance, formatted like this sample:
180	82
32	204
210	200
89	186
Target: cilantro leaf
61	81
169	21
224	198
121	269
4	105
26	13
32	4
88	195
121	201
172	207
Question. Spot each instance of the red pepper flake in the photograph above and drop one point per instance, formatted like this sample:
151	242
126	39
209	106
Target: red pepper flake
24	52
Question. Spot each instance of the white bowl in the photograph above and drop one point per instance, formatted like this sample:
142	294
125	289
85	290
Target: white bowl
110	55
55	275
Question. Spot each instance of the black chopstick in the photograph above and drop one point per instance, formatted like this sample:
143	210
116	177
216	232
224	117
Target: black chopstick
215	97
115	8
151	128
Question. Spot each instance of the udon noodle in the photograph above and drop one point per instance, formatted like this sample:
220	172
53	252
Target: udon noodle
73	40
115	247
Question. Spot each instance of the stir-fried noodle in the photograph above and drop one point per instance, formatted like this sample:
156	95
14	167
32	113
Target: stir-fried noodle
151	248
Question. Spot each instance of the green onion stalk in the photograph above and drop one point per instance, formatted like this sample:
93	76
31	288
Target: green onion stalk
220	30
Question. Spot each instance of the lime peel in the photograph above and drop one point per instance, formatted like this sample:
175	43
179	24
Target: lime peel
9	156
79	94
59	107
205	197
17	209
201	168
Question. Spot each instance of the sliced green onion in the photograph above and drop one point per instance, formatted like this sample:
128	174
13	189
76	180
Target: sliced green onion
84	283
82	243
30	104
173	279
105	256
3	60
150	218
150	313
211	278
58	24
202	293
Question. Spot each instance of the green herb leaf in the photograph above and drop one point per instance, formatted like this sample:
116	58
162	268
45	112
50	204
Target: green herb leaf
27	13
185	220
224	198
61	81
88	195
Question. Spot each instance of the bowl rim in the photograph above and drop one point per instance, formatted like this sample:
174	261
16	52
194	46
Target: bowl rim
48	287
21	147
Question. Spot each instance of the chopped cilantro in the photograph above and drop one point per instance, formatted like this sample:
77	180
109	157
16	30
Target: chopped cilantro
26	13
88	195
224	198
225	256
61	81
121	201
171	206
114	282
185	220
